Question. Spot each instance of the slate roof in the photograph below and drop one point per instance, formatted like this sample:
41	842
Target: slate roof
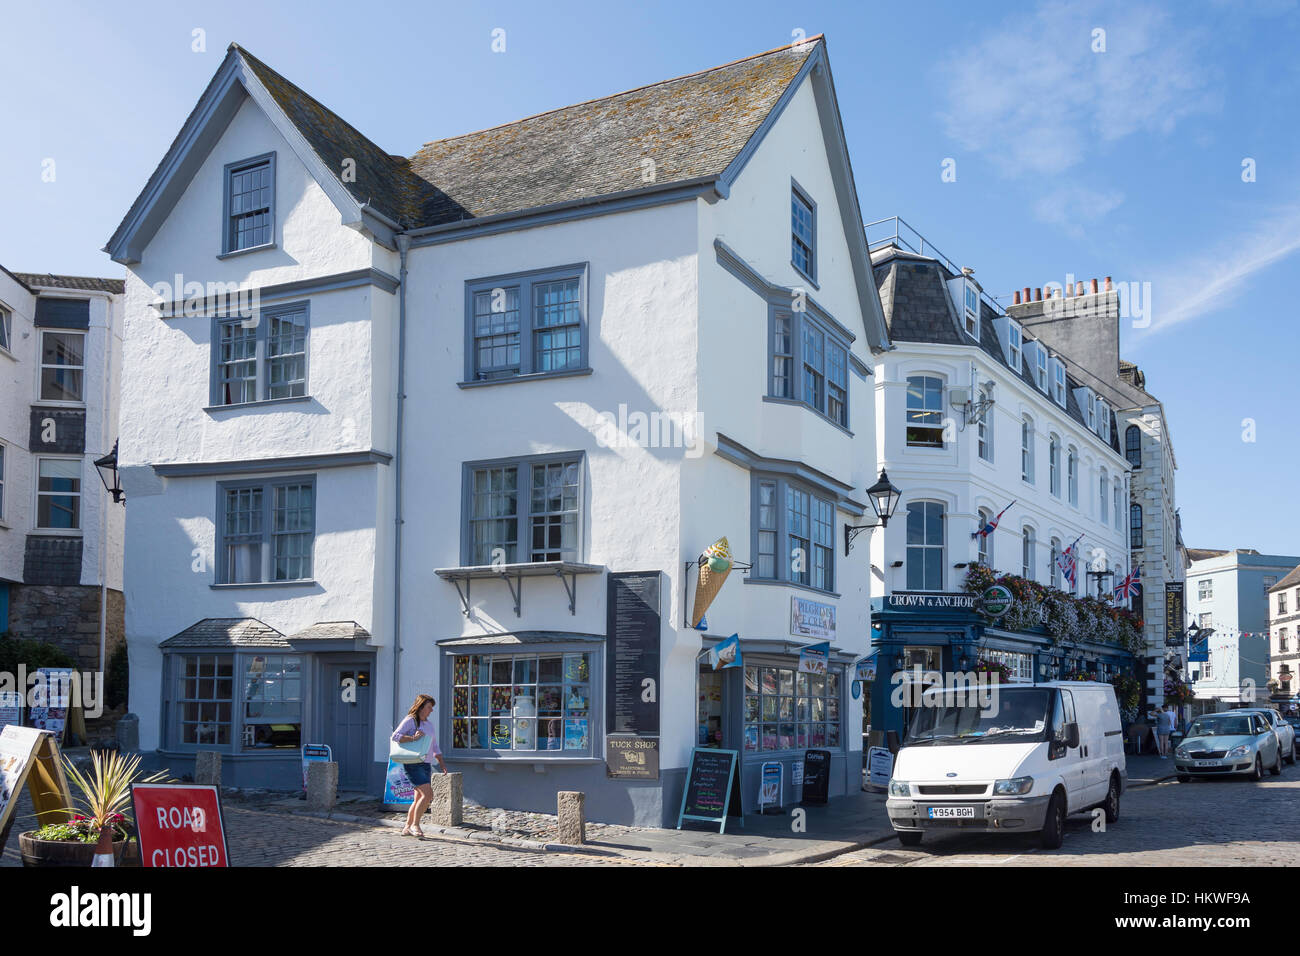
228	632
332	631
15	277
47	280
917	309
1291	580
692	127
1201	554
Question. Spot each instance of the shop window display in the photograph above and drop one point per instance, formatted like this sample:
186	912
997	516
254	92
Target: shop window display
787	710
524	703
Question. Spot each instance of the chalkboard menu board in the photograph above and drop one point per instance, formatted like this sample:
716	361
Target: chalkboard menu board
712	789
816	776
632	641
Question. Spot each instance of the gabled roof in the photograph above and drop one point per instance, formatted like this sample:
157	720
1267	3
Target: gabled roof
228	632
699	132
17	279
1201	554
1291	580
80	283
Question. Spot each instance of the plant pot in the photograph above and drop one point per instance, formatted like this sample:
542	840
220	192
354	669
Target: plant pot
69	852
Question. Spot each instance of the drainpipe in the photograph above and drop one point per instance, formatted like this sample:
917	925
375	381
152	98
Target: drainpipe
403	247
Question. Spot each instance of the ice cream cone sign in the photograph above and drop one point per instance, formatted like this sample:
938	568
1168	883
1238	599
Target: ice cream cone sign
715	565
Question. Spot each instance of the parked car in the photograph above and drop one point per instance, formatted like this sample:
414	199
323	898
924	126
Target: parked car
1285	732
1232	742
1037	753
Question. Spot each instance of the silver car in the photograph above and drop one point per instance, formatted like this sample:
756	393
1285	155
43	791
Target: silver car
1285	732
1234	742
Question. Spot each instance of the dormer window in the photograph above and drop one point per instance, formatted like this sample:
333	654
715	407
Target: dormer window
972	311
1015	346
1040	366
1058	381
1091	405
1103	420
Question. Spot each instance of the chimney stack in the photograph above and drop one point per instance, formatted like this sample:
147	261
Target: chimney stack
1038	294
1079	288
1026	293
1017	302
1108	286
1094	286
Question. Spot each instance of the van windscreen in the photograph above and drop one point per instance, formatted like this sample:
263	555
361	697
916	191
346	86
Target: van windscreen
1000	716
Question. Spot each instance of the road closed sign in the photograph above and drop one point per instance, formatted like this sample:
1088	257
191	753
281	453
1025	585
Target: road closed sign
179	825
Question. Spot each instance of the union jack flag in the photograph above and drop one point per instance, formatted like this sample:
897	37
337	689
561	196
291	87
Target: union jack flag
1131	586
992	525
1068	563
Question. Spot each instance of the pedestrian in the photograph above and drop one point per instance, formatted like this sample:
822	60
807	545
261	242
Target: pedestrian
1165	727
417	726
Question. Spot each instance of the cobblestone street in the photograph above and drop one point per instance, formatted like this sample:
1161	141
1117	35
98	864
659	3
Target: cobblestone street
1203	823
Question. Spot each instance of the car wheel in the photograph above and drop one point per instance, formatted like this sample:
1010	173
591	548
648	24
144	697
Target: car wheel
910	837
1054	823
1257	773
1111	806
1184	778
1276	769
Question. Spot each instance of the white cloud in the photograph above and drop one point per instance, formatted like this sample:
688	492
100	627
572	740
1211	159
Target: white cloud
1035	98
1196	287
1075	207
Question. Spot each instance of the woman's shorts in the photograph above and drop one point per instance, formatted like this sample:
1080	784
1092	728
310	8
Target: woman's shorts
418	773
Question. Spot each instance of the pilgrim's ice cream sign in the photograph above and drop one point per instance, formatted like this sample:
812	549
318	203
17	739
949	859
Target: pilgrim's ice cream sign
811	618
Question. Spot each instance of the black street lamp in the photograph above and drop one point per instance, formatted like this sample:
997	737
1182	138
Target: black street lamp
108	466
884	499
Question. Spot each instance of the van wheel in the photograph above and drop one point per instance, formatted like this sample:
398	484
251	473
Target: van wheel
1054	823
1184	778
1111	806
1276	769
1257	773
910	837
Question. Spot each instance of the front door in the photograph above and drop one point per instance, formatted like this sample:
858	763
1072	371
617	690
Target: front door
349	721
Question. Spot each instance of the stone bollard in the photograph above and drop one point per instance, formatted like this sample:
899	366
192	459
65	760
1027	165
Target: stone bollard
322	784
128	734
573	817
447	807
207	768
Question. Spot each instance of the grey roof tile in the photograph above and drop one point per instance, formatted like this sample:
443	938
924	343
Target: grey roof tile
331	631
228	632
37	281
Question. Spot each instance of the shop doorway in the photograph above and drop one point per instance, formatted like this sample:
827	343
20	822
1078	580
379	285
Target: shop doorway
711	694
349	720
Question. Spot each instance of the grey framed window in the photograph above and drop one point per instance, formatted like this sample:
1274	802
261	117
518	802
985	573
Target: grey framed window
272	692
261	359
63	366
820	379
924	411
529	323
6	329
1054	465
1072	474
1135	526
523	510
58	493
803	232
1029	545
266	530
1027	449
984	543
985	429
794	533
925	545
1103	489
1133	445
249	701
204	701
537	702
788	710
1054	569
248	214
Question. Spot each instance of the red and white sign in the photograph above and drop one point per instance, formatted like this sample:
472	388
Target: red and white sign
179	824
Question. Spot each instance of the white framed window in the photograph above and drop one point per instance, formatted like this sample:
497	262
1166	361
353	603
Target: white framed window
1072	474
1015	347
985	429
1055	571
6	329
1103	420
63	366
1027	449
1040	365
985	545
1117	511
58	493
1028	548
1020	664
1090	409
1103	497
971	312
1204	621
1054	465
924	411
1058	381
1281	602
925	546
1205	589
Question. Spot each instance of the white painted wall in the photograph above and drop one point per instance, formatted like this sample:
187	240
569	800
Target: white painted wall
16	384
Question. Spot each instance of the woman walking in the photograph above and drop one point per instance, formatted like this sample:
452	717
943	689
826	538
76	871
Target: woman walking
417	726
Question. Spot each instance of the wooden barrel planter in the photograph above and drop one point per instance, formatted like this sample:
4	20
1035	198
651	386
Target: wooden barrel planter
71	852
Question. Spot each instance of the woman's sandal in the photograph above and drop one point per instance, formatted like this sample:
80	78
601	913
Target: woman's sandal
417	833
406	831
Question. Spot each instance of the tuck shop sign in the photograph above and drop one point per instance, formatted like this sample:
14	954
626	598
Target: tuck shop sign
811	618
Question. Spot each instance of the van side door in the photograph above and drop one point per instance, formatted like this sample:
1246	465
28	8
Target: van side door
1067	759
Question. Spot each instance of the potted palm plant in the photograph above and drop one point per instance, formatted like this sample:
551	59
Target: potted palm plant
98	824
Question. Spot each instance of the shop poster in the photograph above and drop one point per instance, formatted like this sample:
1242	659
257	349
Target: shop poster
769	787
813	658
726	653
11	709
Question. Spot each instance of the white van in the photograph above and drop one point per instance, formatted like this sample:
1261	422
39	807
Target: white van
1032	755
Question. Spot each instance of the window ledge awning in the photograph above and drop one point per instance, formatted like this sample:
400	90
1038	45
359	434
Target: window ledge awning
521	639
514	574
762	645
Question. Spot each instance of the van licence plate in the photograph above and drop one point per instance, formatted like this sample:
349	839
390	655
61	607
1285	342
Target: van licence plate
948	813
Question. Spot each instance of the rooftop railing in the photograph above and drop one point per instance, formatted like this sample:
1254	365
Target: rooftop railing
895	231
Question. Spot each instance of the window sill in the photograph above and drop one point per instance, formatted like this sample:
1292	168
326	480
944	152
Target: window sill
530	377
239	252
57	532
305	582
816	411
58	403
925	450
799	272
238	406
764	582
7	354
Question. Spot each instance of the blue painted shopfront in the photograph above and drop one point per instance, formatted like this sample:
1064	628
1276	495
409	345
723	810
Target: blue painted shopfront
942	631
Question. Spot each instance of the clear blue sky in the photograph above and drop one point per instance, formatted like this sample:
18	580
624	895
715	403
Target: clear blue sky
1126	162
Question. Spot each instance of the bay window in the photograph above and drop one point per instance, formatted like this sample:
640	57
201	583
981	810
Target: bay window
789	710
523	702
924	411
794	533
820	378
